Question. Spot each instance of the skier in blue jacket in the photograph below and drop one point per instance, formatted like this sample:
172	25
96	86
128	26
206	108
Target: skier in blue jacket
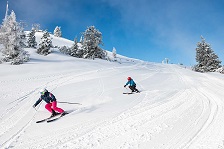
132	85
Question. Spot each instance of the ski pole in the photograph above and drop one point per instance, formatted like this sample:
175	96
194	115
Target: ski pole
35	108
69	102
126	88
38	106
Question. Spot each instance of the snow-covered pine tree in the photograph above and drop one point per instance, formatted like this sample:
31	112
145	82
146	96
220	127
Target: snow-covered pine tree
57	32
220	70
75	50
92	38
31	41
45	44
166	61
23	39
11	34
64	50
114	52
36	27
81	40
207	60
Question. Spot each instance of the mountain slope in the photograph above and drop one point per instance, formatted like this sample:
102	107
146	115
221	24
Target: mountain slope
177	108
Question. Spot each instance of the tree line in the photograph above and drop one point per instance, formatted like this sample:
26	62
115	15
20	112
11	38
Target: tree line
13	40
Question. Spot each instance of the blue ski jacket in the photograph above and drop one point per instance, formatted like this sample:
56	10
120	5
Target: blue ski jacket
131	82
47	97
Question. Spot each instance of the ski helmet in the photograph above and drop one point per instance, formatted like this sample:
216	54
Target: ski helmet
129	78
42	91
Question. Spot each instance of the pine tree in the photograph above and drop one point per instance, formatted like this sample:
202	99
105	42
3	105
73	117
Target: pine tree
45	44
92	38
114	52
11	36
36	27
31	41
207	60
57	32
64	50
81	40
75	50
23	39
220	70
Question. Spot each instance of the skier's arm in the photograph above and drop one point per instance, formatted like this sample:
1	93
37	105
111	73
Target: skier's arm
52	97
37	102
126	83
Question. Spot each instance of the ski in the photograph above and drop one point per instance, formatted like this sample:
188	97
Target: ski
43	120
128	93
131	93
61	115
69	102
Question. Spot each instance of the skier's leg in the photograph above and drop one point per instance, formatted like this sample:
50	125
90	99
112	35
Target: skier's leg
136	89
54	107
48	107
132	89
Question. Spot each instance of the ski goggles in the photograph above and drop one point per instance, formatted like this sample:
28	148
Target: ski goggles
42	93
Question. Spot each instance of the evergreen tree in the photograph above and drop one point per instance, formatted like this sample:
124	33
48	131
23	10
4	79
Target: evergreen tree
75	50
207	60
57	32
23	39
81	40
64	50
220	70
11	36
45	44
36	27
31	41
92	38
114	52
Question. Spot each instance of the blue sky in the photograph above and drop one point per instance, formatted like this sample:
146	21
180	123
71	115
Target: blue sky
145	29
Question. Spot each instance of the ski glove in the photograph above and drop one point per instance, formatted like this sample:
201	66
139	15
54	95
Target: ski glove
124	85
34	106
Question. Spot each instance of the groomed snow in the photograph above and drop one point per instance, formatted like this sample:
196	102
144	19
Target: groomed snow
176	109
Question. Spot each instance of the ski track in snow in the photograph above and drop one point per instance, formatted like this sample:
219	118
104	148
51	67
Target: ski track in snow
189	116
10	123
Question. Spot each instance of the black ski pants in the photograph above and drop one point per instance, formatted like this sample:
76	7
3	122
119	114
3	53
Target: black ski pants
133	88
